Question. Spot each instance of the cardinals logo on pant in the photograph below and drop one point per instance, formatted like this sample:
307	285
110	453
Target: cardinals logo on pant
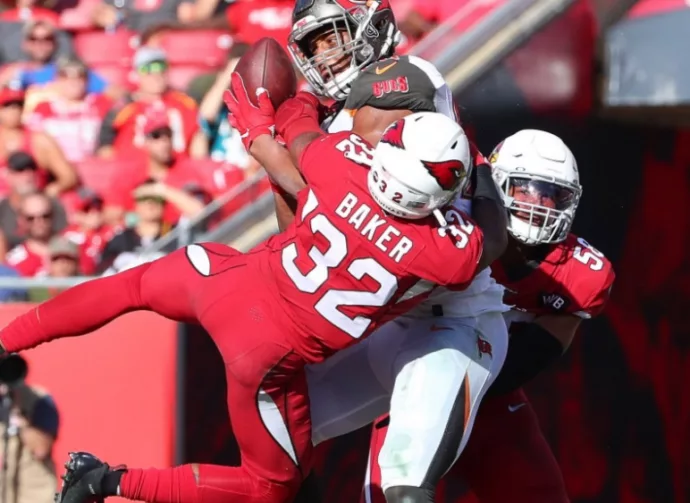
447	174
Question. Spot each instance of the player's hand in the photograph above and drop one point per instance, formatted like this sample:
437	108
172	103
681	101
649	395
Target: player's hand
250	120
304	104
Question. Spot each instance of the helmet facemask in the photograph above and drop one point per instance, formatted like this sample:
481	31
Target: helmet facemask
358	44
541	209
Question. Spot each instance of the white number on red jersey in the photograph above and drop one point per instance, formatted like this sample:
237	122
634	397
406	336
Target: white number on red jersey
327	305
457	228
588	255
356	150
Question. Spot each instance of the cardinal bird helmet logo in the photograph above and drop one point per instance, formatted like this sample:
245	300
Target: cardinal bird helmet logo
394	135
447	174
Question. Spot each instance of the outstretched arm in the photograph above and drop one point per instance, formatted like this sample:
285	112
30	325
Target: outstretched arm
88	306
489	213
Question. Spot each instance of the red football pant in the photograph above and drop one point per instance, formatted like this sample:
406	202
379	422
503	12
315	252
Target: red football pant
231	297
507	458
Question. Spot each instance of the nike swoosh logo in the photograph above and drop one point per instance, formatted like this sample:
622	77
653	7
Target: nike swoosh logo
513	408
381	71
436	328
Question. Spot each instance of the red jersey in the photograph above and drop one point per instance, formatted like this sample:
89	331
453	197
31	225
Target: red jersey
344	267
26	262
74	127
574	278
251	20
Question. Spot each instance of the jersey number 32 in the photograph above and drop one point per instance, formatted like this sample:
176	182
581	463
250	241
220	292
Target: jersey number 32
337	252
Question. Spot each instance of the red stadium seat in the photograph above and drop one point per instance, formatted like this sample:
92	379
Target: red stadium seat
100	48
180	76
196	48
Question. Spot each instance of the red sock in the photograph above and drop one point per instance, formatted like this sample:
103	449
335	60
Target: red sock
168	485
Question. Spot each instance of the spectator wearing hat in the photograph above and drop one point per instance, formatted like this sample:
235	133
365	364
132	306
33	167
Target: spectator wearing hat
140	15
64	258
63	262
148	226
55	173
32	256
69	113
22	180
166	171
122	128
89	232
51	71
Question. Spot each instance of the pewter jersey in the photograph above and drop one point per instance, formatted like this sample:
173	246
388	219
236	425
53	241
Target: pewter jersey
409	82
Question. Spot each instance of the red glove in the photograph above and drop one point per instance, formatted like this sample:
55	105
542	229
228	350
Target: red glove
250	120
298	115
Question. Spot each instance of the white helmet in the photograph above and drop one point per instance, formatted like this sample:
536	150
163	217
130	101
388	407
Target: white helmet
421	162
537	174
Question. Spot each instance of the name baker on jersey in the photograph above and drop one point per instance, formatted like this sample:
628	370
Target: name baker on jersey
390	240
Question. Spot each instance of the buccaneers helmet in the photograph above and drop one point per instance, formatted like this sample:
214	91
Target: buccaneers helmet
364	32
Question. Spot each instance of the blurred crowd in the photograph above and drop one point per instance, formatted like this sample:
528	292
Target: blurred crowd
112	123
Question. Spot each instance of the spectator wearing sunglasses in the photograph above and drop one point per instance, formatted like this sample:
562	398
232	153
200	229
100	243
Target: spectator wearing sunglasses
168	172
122	128
69	112
29	46
22	179
32	257
89	230
55	173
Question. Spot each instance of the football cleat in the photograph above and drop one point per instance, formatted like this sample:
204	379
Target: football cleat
83	479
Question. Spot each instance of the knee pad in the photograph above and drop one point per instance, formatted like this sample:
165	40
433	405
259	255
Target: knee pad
409	494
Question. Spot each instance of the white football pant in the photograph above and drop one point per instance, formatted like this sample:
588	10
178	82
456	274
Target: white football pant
430	373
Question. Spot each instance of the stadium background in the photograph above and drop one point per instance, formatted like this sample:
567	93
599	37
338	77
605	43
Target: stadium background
615	409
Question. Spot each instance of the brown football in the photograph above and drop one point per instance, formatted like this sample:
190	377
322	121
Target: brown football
267	65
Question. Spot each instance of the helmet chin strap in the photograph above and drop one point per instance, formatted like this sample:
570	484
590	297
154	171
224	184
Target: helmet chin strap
439	216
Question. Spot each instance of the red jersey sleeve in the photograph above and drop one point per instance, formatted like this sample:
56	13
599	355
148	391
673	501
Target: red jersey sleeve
320	158
591	278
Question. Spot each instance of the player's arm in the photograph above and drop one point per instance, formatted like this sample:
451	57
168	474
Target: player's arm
533	348
536	346
88	306
489	213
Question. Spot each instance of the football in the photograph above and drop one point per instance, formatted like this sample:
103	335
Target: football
267	65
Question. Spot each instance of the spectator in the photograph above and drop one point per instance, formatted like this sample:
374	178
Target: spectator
30	420
56	174
31	46
166	171
64	258
50	73
89	232
21	177
139	15
72	115
247	20
123	249
225	142
31	257
423	16
28	10
122	127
